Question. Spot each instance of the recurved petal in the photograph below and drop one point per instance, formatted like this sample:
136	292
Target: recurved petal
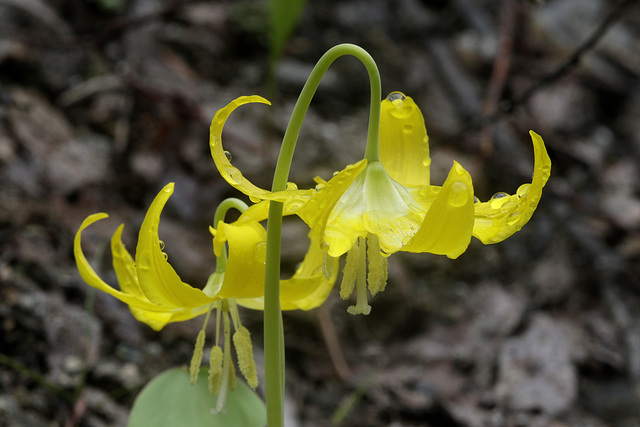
505	214
158	280
125	269
404	144
447	226
229	172
308	288
124	266
89	275
244	274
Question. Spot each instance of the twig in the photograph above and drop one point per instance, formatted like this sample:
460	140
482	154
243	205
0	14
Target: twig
508	106
501	67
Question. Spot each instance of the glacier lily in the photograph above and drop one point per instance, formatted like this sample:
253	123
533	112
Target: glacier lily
156	295
382	205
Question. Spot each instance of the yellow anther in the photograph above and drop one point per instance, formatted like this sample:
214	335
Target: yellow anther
244	351
377	278
196	360
215	369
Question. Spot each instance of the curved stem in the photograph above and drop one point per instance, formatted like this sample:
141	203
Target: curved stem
221	211
273	333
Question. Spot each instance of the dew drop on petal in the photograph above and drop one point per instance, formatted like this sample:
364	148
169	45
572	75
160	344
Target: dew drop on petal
227	155
475	199
394	96
260	252
254	199
498	199
523	190
407	128
161	245
166	257
324	246
234	174
513	218
458	194
145	262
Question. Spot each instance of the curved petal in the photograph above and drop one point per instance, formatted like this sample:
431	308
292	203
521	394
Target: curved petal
125	269
229	172
446	229
244	274
158	280
505	214
89	275
404	143
308	288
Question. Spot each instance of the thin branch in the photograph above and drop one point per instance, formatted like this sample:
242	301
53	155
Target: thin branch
509	106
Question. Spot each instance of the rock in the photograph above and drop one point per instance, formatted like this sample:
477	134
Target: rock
535	370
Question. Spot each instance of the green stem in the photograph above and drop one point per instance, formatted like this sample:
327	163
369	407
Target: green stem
273	336
221	212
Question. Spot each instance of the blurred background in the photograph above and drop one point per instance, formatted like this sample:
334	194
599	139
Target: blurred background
103	102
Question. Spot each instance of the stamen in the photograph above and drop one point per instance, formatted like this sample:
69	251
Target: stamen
350	272
198	352
227	366
362	306
327	265
244	350
215	369
377	278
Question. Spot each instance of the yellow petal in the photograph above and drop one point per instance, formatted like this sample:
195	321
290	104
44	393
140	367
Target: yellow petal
317	209
89	275
229	172
244	274
124	266
308	288
446	229
158	280
505	214
404	143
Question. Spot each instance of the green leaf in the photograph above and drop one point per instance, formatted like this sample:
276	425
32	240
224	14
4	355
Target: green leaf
169	400
284	16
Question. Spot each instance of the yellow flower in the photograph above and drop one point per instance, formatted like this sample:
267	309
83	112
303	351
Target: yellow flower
155	293
371	210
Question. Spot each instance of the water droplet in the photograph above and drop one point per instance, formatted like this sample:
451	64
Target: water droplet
145	262
291	186
498	199
513	218
166	257
255	199
319	187
324	246
227	155
475	199
161	245
458	195
234	174
168	189
427	161
336	173
394	96
407	128
260	252
523	190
